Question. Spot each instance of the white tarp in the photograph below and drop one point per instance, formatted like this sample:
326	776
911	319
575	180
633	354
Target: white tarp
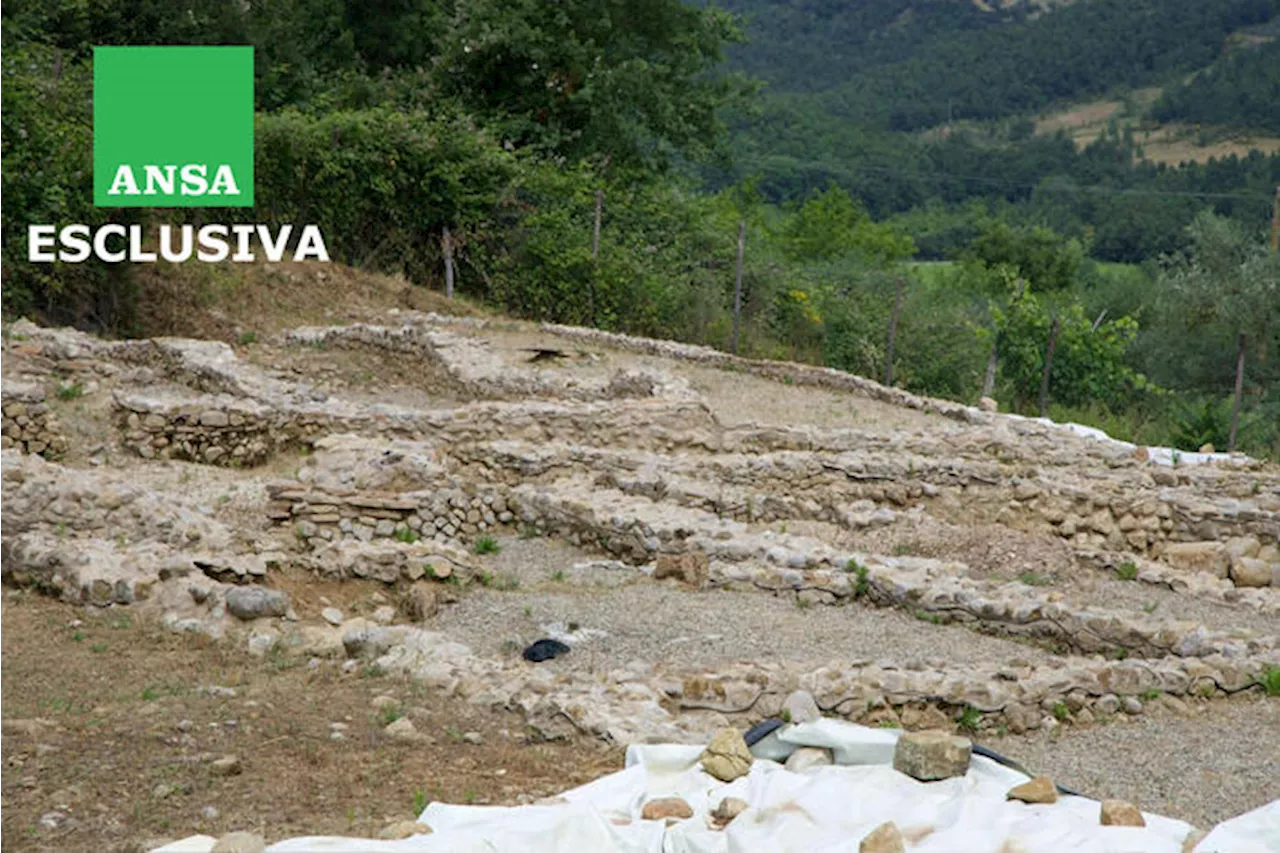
1158	455
823	810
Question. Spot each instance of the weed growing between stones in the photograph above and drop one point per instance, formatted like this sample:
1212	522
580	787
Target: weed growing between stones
1270	680
1127	571
862	586
407	535
70	391
487	545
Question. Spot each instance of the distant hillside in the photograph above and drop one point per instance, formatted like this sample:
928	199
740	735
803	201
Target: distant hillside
938	112
907	65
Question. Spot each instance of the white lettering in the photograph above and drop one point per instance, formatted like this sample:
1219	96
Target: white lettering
194	181
214	238
311	243
166	244
136	253
162	179
100	244
275	251
124	182
39	239
243	253
114	243
75	237
224	179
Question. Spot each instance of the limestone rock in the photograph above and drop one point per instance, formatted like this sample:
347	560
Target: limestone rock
420	603
726	811
1249	571
332	615
987	404
931	755
800	707
403	829
692	567
1038	790
1120	813
928	717
228	765
666	807
1243	546
1209	557
885	838
402	730
727	756
240	842
808	756
256	602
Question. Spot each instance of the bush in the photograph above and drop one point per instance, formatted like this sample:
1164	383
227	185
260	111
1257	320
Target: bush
382	185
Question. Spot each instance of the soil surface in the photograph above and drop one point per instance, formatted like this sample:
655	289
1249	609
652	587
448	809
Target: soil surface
130	719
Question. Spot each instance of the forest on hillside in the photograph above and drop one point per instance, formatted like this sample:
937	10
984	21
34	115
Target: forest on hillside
812	124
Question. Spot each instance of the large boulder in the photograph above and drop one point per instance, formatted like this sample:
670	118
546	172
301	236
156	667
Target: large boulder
932	755
727	756
1248	571
256	602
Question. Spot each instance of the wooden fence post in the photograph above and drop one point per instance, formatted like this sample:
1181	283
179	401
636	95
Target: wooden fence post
1048	367
595	256
447	240
893	331
737	286
1235	406
595	235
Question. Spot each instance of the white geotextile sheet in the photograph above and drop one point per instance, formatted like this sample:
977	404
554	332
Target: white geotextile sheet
1158	455
823	810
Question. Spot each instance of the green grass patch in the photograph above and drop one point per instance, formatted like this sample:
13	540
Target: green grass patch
487	545
1270	680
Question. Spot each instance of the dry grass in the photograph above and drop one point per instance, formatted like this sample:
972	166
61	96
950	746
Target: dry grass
1170	143
126	754
234	302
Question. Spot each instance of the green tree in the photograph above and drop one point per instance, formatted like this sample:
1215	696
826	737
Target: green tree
1227	278
831	224
1036	254
608	79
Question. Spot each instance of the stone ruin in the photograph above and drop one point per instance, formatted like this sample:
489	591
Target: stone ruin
634	467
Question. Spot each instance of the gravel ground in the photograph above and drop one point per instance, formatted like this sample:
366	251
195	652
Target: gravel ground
1220	763
735	398
1101	589
996	552
665	622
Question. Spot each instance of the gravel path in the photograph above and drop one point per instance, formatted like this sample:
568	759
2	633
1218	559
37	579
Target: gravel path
1215	765
663	622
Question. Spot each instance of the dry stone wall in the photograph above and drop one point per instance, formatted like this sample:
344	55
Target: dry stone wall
28	423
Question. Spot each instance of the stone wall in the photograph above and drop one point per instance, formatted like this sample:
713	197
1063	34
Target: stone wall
444	514
226	430
28	423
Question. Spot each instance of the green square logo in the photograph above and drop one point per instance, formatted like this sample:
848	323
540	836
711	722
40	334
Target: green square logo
173	126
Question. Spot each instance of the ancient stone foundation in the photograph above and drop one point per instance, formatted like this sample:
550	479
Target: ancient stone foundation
28	423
